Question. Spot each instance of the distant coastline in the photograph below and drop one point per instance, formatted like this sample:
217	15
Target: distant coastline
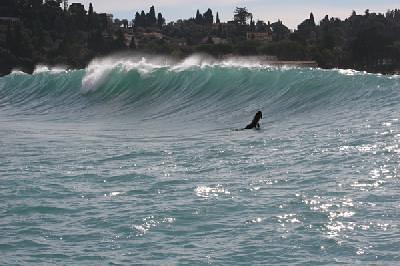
57	33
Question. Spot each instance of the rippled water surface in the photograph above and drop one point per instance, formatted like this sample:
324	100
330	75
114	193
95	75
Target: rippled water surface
169	182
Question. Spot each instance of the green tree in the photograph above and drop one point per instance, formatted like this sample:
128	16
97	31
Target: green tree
241	15
279	31
143	19
160	20
138	20
151	17
208	17
306	31
199	18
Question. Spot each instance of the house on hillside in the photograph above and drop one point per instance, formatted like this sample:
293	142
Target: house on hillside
213	40
176	41
9	20
141	38
260	36
153	35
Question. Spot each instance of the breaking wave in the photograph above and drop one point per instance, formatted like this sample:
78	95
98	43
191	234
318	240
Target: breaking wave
197	88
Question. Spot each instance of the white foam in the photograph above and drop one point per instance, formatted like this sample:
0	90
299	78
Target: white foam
43	69
205	191
18	72
194	61
351	72
99	69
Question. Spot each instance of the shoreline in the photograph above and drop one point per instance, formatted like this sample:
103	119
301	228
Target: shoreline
312	64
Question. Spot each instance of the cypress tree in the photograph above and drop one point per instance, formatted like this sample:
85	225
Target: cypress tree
152	16
312	21
90	12
160	20
90	16
137	20
199	17
143	19
252	24
217	19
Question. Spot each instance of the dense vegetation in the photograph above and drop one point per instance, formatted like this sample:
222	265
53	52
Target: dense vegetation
36	32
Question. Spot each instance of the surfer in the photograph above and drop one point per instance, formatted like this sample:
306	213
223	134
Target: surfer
255	123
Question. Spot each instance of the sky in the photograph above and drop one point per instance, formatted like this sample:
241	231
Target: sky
291	12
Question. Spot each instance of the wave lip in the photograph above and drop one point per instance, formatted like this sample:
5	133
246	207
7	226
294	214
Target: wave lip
99	69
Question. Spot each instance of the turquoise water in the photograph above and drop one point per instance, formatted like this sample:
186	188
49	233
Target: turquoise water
136	161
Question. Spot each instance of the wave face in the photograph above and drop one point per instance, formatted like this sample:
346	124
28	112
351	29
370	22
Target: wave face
196	89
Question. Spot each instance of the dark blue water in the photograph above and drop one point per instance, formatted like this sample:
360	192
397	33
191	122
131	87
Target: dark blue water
136	162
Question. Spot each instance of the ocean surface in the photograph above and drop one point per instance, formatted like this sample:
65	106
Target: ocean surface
136	161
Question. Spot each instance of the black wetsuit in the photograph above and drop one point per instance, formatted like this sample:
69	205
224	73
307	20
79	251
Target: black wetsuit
254	123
